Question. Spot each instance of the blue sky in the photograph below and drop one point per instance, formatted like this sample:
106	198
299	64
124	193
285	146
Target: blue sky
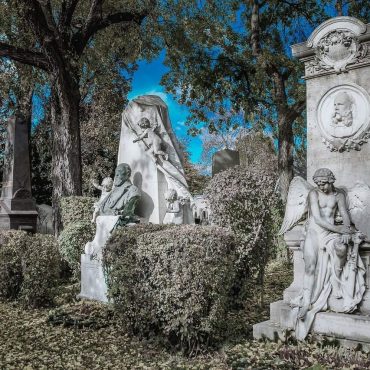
147	81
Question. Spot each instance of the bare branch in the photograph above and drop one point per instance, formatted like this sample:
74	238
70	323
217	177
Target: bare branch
96	22
68	8
32	58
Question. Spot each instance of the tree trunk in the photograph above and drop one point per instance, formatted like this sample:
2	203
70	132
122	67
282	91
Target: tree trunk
286	138
285	156
339	8
66	173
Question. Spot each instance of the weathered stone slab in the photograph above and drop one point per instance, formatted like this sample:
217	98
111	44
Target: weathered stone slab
224	159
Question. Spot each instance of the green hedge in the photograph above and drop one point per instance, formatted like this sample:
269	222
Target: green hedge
72	241
75	209
29	267
172	281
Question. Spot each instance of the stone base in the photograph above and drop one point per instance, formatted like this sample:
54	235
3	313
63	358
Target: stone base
18	220
93	285
349	330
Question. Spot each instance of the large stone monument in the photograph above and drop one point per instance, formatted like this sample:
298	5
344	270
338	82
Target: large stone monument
17	207
115	208
149	146
330	293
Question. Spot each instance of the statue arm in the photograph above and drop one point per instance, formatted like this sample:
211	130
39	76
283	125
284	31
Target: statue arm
142	136
315	213
343	210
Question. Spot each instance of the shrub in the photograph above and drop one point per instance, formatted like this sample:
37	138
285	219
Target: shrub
72	241
29	267
172	281
244	200
12	245
75	209
40	270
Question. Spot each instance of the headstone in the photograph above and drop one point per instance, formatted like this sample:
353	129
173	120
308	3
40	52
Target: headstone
335	302
150	147
17	207
224	159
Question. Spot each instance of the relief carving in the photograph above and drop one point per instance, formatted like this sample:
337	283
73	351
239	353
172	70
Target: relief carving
343	117
337	50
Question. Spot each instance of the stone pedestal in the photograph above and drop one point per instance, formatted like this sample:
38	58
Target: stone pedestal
17	207
93	285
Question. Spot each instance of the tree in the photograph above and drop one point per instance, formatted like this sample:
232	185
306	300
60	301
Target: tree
60	38
234	57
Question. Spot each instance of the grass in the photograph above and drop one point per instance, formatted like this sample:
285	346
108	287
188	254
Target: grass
85	335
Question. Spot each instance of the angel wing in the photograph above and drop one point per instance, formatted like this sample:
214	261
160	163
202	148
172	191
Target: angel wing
358	198
297	203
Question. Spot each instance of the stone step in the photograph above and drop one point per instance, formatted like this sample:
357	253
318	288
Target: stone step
339	325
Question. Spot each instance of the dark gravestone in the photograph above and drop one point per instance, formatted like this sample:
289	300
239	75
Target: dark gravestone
224	159
17	207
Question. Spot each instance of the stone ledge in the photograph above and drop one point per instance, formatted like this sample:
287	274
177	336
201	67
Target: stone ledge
351	328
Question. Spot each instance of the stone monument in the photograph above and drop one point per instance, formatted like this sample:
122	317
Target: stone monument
17	207
115	208
330	293
224	159
149	146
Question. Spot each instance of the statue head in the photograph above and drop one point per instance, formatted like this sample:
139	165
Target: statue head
343	109
107	183
171	195
144	123
324	179
122	174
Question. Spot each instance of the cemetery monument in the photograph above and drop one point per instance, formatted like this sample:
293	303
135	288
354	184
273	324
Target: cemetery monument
327	217
17	207
150	147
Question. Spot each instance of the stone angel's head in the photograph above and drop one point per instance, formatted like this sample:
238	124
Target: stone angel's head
107	184
324	179
144	123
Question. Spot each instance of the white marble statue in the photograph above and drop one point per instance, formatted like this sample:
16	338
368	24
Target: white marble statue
154	141
149	145
105	188
115	209
334	229
175	212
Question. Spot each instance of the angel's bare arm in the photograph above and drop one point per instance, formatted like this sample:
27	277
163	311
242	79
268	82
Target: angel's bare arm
97	186
142	136
343	210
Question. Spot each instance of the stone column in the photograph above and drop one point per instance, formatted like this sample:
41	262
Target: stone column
17	207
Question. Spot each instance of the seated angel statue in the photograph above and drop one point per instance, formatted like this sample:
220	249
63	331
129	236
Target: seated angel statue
332	236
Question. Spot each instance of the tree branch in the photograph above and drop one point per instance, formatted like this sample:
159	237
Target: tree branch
68	8
32	58
96	23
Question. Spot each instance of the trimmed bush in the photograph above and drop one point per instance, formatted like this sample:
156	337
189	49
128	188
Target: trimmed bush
12	245
40	270
244	200
172	281
72	241
29	267
75	209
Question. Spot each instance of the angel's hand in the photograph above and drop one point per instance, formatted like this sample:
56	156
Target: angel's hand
346	238
345	230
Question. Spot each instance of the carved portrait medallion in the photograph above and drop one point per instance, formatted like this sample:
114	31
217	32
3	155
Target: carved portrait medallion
343	116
